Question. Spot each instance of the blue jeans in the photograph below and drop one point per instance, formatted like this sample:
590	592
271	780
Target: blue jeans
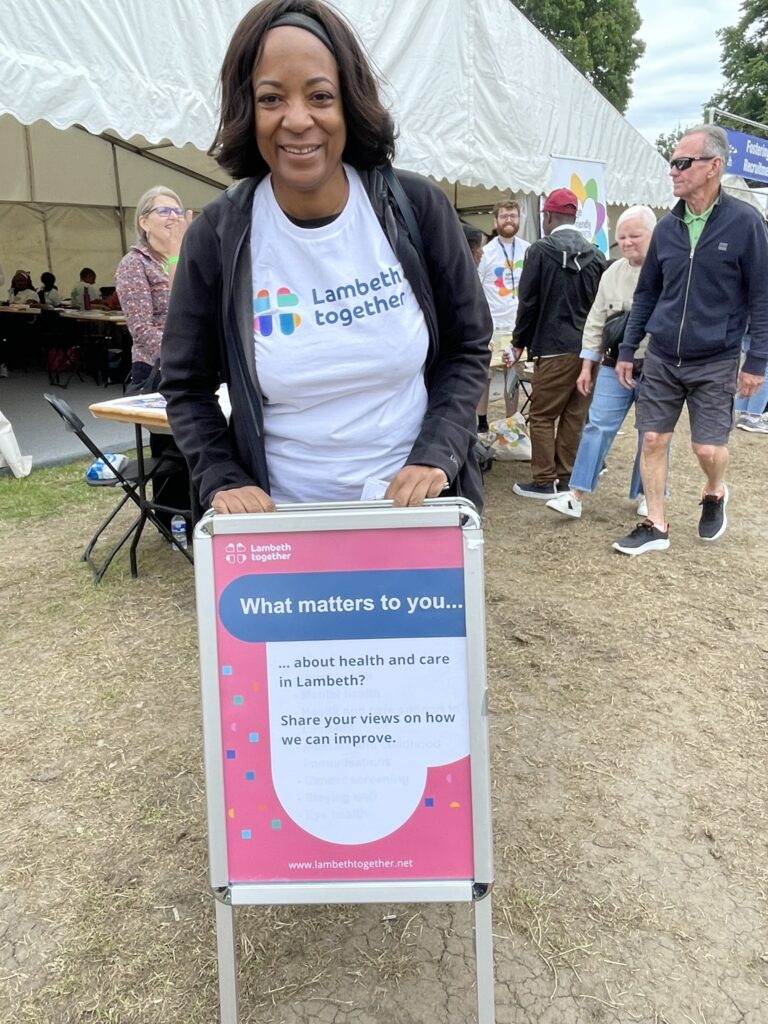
756	403
610	404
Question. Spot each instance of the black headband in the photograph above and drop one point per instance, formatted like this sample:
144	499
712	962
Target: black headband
309	24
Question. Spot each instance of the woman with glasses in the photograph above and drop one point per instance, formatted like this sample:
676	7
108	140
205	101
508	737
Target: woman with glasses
336	297
143	279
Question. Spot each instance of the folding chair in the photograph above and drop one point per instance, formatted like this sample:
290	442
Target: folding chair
132	480
525	375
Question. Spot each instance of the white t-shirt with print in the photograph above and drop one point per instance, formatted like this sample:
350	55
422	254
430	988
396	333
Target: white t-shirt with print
499	269
340	344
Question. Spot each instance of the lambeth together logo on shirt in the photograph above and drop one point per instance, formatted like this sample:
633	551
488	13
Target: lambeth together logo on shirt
344	305
504	280
265	312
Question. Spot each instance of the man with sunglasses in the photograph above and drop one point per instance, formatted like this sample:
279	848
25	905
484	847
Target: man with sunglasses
704	276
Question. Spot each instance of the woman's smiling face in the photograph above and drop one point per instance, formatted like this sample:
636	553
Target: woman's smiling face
300	128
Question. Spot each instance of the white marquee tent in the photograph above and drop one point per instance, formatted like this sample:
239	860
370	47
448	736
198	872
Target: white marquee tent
102	100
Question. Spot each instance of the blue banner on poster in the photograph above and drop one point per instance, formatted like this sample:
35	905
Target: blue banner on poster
747	156
344	605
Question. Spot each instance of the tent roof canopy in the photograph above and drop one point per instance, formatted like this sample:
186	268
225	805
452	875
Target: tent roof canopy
480	96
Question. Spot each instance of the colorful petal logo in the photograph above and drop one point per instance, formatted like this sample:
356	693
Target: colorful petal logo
264	312
504	279
591	216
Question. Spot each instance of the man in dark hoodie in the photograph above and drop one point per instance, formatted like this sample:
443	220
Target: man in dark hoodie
557	288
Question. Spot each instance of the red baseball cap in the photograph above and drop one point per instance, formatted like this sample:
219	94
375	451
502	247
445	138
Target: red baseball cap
562	200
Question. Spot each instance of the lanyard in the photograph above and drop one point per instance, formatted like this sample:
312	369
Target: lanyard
510	262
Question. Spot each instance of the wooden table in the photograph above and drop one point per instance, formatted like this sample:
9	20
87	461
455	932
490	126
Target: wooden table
99	316
20	310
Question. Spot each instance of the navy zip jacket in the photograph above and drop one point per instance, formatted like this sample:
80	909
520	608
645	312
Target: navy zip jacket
695	304
208	337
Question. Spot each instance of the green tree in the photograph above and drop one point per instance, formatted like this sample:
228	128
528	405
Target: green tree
666	142
744	62
597	36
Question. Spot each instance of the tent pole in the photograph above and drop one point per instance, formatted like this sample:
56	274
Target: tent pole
33	193
120	207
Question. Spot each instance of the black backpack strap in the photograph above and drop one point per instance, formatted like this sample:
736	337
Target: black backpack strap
404	205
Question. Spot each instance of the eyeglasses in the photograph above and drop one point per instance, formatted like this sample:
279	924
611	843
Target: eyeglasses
166	211
682	163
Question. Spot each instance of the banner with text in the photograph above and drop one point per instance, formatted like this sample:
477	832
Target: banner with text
586	178
747	156
343	688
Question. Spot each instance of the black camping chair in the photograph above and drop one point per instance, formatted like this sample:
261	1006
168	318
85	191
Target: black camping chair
134	489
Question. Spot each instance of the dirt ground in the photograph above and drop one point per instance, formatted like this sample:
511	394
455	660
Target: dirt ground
629	720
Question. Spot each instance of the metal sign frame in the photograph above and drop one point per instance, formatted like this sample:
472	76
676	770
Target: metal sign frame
441	512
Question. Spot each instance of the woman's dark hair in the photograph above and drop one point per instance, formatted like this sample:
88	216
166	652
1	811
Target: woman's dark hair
47	280
474	236
370	129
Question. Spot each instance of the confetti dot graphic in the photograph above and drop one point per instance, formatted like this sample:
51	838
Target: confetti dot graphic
429	801
276	823
231	812
226	670
250	776
245	833
454	805
231	755
253	737
238	699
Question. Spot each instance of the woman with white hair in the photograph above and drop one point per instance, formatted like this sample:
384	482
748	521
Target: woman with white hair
603	330
143	278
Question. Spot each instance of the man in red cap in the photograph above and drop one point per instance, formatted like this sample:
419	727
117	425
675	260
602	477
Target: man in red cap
557	288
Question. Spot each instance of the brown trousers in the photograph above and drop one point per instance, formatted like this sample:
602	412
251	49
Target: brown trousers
555	398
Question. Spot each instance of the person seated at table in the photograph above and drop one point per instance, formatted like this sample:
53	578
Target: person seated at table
85	295
22	290
48	292
142	277
338	298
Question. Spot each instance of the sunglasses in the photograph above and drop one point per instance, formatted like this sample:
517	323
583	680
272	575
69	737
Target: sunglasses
166	211
682	163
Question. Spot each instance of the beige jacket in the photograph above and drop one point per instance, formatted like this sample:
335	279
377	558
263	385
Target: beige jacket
614	295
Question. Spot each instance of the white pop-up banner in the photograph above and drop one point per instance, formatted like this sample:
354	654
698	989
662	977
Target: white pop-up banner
585	178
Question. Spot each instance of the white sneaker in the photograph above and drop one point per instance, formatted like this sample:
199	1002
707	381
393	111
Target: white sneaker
3	370
642	507
754	423
567	504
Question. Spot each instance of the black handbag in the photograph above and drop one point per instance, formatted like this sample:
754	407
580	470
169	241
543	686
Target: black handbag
613	335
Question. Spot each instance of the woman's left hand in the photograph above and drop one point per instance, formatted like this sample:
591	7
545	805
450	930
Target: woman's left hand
415	483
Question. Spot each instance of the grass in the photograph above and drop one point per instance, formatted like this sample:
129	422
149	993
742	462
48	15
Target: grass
46	492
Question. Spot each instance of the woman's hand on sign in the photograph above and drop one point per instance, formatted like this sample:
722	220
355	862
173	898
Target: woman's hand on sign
415	483
242	499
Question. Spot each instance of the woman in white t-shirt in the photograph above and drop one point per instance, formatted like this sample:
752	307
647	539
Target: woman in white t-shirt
21	289
337	299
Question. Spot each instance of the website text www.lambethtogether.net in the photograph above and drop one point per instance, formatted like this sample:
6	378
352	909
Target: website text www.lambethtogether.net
359	865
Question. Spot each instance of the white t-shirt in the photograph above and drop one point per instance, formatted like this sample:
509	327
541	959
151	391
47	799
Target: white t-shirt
499	270
340	344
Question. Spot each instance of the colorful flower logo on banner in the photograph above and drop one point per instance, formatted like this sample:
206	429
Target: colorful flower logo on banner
591	216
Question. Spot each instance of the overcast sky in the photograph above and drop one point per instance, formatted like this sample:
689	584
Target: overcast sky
681	66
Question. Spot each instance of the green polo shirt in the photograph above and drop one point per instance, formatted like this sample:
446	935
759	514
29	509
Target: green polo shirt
696	222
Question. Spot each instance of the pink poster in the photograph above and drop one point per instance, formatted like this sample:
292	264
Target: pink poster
344	709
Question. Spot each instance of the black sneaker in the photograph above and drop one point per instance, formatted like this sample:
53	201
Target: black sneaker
644	537
482	424
713	521
534	490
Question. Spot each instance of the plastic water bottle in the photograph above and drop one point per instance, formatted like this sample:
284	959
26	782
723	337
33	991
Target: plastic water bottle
179	532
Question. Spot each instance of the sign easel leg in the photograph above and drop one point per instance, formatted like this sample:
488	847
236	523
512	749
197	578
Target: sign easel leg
486	1006
225	945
